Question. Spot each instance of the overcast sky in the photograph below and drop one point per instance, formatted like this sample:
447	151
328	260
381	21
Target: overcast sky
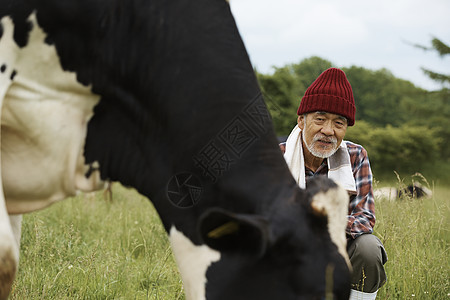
370	34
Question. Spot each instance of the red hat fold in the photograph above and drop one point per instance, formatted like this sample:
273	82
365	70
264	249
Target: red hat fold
330	92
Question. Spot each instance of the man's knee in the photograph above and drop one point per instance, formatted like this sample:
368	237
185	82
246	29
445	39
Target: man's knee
367	256
368	248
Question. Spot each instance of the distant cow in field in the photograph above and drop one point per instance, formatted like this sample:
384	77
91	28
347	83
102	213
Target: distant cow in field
160	96
415	190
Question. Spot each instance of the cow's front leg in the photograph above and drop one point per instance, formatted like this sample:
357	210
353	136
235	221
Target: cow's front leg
16	226
9	239
9	249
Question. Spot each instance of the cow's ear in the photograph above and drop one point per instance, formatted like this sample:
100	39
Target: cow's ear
230	232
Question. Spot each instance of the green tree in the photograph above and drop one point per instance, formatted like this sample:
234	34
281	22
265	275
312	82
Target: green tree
434	113
380	96
403	149
280	97
284	88
442	49
308	70
434	110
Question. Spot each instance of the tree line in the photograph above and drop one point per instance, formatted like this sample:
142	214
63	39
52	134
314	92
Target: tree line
403	127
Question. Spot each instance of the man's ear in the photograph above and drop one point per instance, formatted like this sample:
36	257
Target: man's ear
224	231
301	121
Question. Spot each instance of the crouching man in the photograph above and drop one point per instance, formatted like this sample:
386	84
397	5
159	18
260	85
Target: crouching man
316	147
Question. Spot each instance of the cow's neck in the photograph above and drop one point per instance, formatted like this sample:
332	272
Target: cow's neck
44	122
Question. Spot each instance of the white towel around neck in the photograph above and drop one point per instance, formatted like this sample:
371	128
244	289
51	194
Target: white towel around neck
339	166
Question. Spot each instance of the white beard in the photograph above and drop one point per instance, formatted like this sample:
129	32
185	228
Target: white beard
324	153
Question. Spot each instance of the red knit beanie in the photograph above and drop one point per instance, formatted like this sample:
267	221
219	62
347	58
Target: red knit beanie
330	92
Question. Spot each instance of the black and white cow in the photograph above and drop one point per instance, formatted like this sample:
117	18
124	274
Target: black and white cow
414	190
160	96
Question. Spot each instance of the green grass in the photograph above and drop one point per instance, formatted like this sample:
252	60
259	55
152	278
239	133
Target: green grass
88	248
415	233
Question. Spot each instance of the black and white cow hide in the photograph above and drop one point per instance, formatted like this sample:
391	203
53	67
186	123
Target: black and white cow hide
414	190
160	95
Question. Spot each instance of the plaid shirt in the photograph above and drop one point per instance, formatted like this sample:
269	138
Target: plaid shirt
361	209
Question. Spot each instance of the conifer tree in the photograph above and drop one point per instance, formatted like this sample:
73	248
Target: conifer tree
442	49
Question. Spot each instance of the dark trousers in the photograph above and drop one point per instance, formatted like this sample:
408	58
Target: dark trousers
368	256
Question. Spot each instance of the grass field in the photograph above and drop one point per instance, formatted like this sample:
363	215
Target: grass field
88	248
416	235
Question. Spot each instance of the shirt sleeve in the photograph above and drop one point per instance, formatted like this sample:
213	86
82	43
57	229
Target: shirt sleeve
361	218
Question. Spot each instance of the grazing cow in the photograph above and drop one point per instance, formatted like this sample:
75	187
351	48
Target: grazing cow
160	96
415	190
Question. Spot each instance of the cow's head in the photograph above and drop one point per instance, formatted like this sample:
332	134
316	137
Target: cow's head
288	254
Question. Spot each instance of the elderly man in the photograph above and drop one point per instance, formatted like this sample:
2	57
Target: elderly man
316	147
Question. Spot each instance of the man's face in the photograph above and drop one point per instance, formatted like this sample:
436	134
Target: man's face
322	132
